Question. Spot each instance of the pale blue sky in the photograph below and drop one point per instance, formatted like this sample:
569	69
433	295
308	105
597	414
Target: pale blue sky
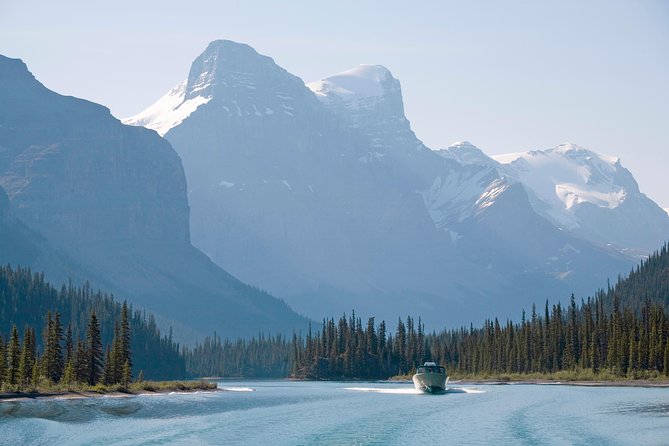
507	76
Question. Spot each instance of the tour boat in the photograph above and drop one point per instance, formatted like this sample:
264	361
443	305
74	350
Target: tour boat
430	378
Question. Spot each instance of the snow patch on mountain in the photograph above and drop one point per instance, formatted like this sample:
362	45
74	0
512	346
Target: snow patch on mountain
491	194
566	176
353	86
170	110
235	80
454	197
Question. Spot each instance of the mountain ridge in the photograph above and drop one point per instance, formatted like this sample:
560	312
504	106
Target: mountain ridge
106	202
338	204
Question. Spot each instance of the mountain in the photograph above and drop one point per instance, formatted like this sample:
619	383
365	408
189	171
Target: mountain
109	201
323	194
284	195
590	195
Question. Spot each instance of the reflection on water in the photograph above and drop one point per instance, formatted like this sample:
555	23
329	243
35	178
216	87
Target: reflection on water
70	411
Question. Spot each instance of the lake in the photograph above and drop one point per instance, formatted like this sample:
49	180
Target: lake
348	413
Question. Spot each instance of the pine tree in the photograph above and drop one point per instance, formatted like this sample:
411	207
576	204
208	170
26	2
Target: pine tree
594	352
81	367
54	351
94	351
127	377
69	345
28	354
109	369
114	364
3	362
126	354
36	377
13	357
68	374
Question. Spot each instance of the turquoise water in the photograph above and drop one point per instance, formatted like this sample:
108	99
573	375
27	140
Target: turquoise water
335	413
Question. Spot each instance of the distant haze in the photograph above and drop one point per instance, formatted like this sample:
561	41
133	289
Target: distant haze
508	76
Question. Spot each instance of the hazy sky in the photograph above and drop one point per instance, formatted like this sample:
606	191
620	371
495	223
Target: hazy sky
507	76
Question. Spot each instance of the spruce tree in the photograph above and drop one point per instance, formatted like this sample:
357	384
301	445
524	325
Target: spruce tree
594	352
126	354
28	353
68	374
69	345
126	375
3	362
54	355
13	357
81	368
94	351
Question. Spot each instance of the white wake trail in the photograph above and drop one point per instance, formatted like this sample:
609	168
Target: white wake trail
237	389
410	390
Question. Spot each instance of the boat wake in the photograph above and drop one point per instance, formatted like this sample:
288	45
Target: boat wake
465	390
237	389
402	391
411	391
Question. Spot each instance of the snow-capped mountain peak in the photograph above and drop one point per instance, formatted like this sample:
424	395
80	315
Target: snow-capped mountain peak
584	192
169	111
467	153
369	98
569	175
351	86
361	90
236	80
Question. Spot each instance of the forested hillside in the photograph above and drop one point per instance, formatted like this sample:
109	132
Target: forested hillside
26	299
649	280
623	331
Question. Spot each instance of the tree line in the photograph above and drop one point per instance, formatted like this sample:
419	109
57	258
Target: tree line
26	299
623	331
65	360
260	356
576	338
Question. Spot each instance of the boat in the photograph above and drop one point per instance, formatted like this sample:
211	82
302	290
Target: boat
430	378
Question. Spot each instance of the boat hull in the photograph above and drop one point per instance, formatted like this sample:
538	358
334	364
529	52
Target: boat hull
430	382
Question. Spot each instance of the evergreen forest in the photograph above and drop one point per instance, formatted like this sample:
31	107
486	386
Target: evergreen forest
39	313
620	333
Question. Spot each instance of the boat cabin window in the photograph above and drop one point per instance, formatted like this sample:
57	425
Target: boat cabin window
431	369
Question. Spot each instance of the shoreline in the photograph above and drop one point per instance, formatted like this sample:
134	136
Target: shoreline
80	395
577	383
86	394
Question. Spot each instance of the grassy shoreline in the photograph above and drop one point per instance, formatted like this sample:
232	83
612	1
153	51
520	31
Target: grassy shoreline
81	391
566	377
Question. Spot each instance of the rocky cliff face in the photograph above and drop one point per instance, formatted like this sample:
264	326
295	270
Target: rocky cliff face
74	173
113	199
